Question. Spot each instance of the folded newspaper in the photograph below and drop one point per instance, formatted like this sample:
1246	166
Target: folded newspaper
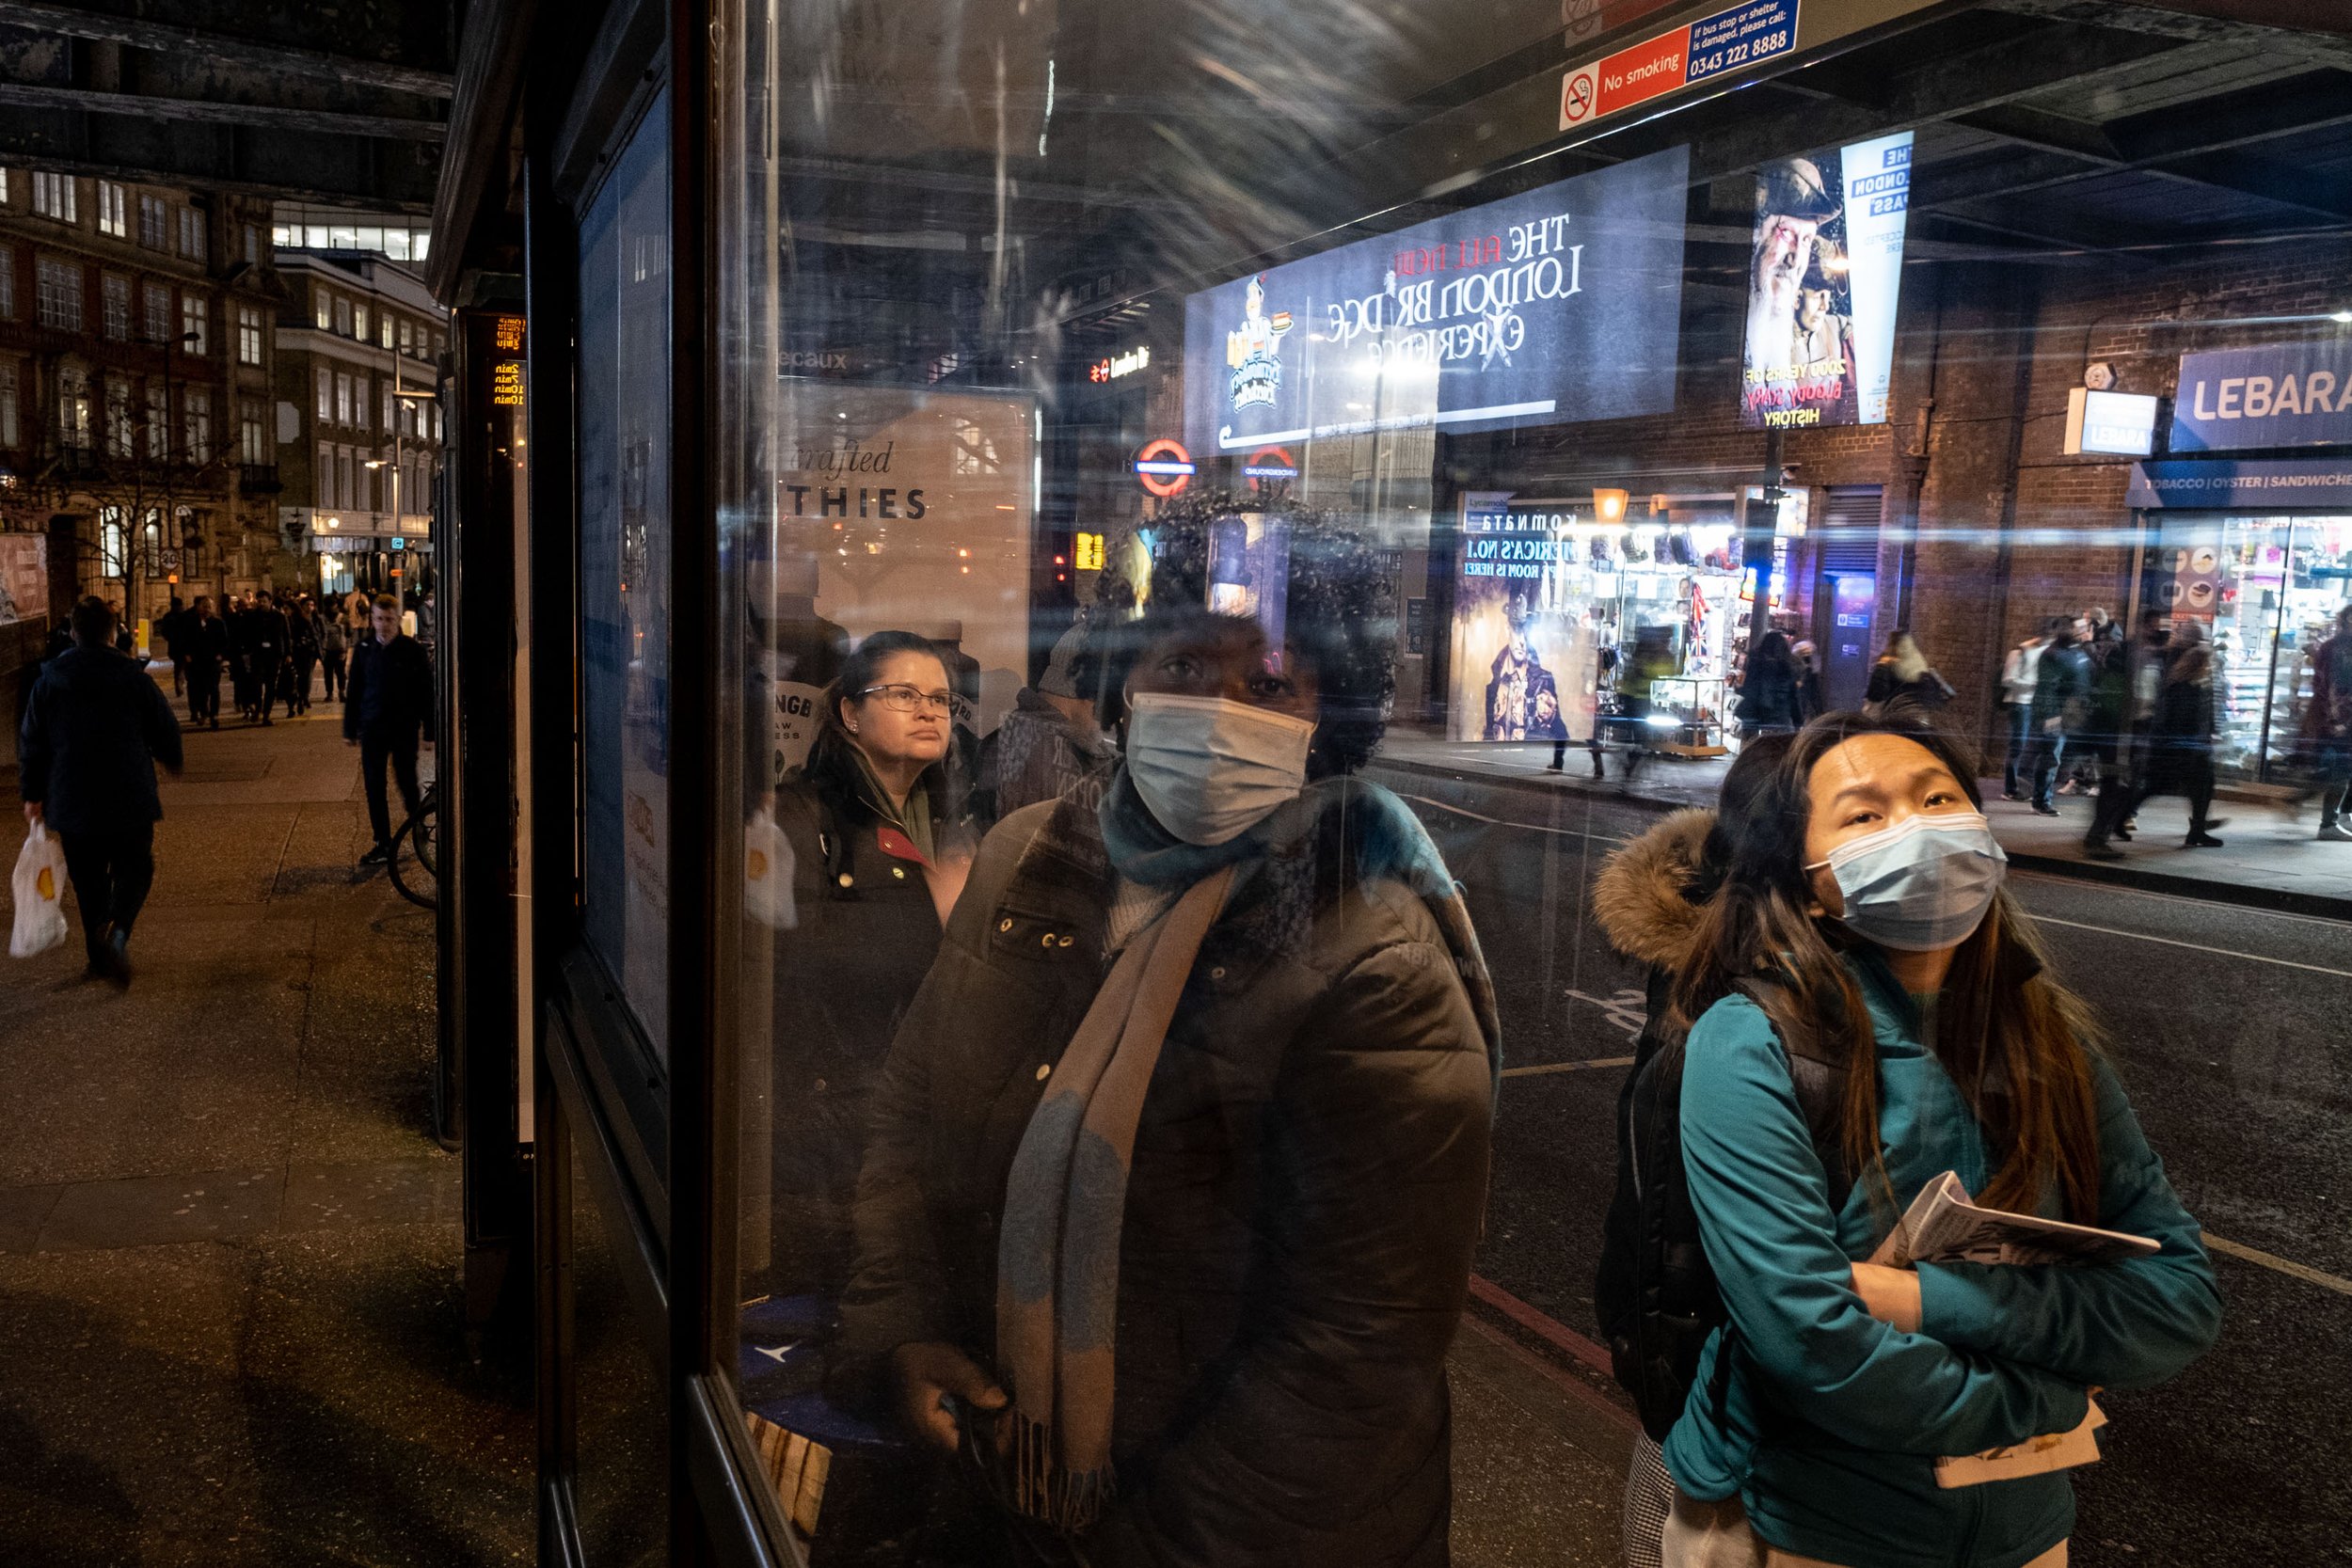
1942	1226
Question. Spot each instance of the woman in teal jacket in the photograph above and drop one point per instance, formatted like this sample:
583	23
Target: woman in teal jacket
1867	887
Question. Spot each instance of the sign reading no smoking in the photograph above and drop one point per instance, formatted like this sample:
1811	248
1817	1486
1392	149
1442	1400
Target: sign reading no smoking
1575	97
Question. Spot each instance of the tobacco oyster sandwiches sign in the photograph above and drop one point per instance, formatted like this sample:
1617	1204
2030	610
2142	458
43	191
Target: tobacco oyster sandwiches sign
1556	305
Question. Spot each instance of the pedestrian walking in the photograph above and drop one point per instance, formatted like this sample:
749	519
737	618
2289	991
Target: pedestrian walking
265	647
1902	679
2018	674
334	643
172	627
2325	730
1767	687
1180	1157
206	637
2061	705
386	708
2098	751
94	728
1806	660
2179	747
1871	904
302	658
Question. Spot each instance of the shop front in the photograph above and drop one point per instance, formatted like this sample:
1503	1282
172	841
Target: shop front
857	416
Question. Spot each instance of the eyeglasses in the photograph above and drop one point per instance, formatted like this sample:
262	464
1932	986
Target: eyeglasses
906	699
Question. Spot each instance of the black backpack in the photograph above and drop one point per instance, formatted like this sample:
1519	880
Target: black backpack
1655	1294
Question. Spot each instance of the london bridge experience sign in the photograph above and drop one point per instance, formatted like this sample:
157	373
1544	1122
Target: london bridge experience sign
1556	305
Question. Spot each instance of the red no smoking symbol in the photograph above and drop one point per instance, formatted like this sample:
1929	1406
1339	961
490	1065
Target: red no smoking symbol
1576	99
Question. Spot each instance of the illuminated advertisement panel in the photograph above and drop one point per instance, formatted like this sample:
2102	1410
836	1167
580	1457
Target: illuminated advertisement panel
1822	280
1557	305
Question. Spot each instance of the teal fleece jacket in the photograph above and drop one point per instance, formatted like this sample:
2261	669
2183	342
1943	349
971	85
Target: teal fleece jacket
1826	1421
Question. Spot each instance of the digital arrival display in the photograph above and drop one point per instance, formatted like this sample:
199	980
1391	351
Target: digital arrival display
1557	305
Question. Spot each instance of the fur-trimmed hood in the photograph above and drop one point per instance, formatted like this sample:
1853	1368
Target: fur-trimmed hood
1638	897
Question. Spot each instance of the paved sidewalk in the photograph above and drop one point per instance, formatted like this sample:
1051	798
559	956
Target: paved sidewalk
228	1245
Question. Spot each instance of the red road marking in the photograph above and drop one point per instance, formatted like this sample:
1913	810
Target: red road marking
1549	1329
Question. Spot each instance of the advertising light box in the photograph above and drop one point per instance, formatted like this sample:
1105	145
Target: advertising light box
1823	279
2280	395
1558	305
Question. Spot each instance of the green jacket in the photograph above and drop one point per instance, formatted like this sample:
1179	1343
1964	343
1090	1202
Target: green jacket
1826	1421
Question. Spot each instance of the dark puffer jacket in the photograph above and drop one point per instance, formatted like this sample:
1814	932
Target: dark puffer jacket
1309	1183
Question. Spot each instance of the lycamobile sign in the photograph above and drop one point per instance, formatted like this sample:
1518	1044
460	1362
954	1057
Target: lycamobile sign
1558	305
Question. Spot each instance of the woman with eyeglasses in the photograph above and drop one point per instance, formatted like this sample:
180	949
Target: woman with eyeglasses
880	845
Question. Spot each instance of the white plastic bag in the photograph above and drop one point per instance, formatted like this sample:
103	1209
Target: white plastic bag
39	896
768	873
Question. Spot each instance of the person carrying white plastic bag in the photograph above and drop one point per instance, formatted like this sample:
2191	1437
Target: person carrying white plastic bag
39	896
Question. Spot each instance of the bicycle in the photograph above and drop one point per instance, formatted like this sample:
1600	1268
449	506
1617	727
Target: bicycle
415	864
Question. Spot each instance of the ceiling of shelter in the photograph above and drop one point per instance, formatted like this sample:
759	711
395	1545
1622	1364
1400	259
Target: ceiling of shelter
286	99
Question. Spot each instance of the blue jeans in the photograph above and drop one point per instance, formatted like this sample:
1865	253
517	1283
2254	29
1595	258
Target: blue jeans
2042	756
2020	738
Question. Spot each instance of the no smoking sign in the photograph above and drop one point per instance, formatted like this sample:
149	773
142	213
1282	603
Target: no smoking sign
1575	97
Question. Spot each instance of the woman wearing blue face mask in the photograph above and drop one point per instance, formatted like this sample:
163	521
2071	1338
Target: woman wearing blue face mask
1167	1219
1869	896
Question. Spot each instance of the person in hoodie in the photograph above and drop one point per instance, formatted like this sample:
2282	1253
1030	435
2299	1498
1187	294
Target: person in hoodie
1181	1150
1870	890
94	728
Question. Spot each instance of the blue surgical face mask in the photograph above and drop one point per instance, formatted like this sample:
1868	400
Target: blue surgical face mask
1923	884
1211	769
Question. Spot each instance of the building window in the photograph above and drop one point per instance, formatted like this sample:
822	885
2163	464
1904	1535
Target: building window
113	218
343	318
73	410
345	485
253	243
3	187
7	402
436	422
253	439
384	329
192	233
193	330
359	322
151	222
325	488
405	346
54	197
61	295
248	335
115	296
389	402
152	542
198	405
359	400
327	394
8	284
110	541
158	419
343	398
158	314
118	417
322	309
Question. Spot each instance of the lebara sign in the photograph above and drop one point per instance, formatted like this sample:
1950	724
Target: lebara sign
2283	395
1557	305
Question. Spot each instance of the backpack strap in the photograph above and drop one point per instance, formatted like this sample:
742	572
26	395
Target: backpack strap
1817	1071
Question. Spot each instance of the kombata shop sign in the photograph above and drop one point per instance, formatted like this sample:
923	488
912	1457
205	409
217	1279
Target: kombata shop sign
1557	305
2283	395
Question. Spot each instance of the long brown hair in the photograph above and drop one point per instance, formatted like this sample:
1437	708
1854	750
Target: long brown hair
2015	1042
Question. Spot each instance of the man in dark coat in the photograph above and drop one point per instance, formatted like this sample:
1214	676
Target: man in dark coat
265	647
172	627
202	645
386	708
2061	707
94	728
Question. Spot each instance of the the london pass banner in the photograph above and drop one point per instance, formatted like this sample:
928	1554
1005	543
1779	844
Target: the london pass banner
1822	280
1560	304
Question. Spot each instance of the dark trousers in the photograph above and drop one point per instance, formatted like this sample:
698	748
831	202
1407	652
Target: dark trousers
111	872
2013	771
264	684
333	663
299	683
401	750
2182	770
178	674
2044	755
204	690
